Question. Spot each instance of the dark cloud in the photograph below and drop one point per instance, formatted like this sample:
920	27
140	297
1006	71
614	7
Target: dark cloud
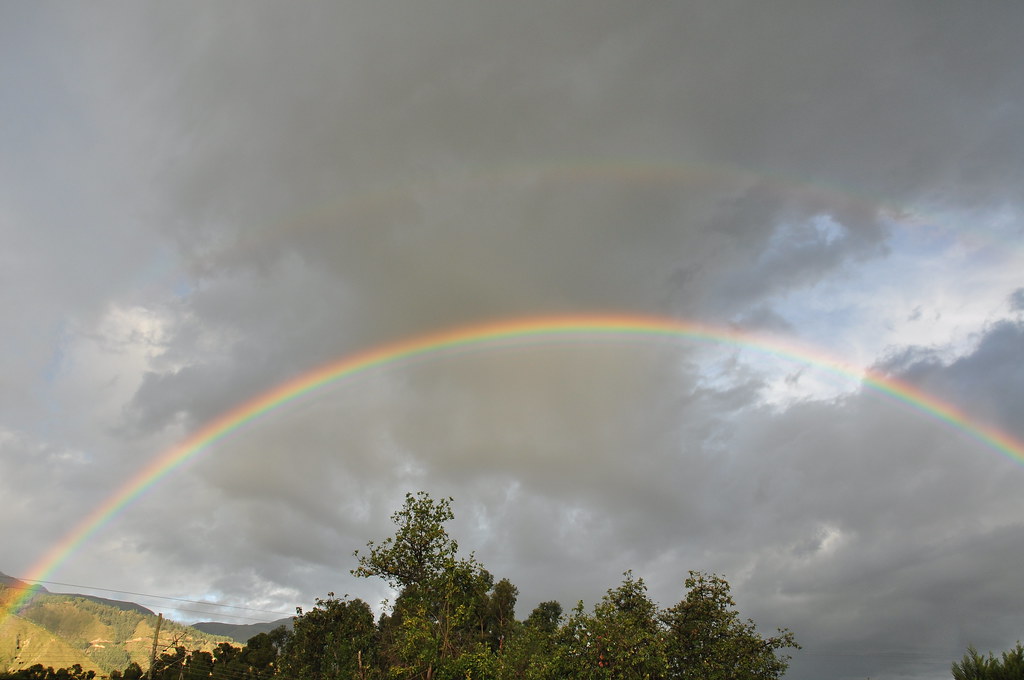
988	379
395	171
1017	300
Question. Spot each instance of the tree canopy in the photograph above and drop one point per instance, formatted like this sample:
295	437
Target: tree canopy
974	666
452	620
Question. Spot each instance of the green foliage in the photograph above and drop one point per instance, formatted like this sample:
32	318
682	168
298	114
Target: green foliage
621	639
198	665
415	647
574	653
474	662
123	625
77	621
529	648
445	609
170	664
336	639
110	656
527	653
628	638
545	617
496	614
708	641
974	666
64	619
452	621
420	551
261	652
434	622
257	660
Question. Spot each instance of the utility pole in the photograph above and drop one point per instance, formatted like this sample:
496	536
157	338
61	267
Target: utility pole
156	636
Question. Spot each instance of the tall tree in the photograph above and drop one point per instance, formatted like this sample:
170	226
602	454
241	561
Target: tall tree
546	616
442	599
333	641
529	651
707	640
628	637
421	549
622	639
500	614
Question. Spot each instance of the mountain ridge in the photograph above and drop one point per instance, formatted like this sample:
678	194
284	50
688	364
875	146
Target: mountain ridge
101	634
241	632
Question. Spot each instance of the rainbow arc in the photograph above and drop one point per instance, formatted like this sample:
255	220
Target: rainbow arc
533	330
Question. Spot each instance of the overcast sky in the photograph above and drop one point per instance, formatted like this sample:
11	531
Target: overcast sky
199	201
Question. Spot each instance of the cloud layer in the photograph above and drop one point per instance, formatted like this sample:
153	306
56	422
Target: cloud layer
199	202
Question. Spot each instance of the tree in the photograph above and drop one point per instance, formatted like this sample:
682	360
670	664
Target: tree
228	663
168	665
574	654
621	639
545	616
500	614
707	640
420	551
261	652
38	672
451	621
198	666
334	640
440	615
133	671
974	666
436	622
529	650
628	637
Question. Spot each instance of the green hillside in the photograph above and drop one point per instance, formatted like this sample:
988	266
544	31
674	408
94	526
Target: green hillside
23	644
62	630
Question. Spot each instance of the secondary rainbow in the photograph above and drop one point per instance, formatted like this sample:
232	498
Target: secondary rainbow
531	330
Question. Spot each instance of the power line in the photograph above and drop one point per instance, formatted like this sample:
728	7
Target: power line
159	597
230	616
173	608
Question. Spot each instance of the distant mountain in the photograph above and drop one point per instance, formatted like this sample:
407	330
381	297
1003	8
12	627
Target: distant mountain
14	583
60	630
238	632
116	604
11	582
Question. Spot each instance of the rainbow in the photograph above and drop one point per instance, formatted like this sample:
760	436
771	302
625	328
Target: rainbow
725	180
613	170
498	333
